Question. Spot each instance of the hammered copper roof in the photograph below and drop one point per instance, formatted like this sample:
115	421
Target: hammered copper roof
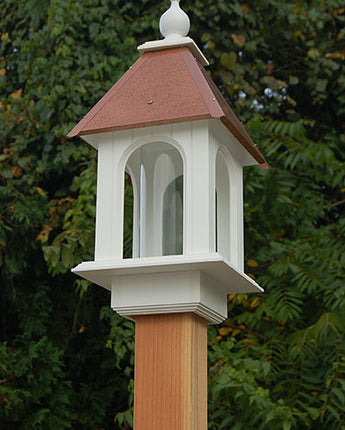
165	86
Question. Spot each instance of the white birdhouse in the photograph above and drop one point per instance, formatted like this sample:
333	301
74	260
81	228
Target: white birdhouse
166	129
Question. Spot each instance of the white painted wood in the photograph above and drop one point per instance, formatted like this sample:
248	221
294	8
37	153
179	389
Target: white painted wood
213	264
224	201
119	144
104	203
162	131
170	284
191	291
157	45
139	133
209	158
236	217
233	203
222	135
200	185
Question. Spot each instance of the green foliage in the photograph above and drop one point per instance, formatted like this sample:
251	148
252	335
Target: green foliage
66	360
34	374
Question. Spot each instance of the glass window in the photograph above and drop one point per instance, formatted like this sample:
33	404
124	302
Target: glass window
156	172
128	218
172	240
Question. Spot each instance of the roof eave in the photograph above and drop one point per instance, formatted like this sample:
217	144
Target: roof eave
246	141
139	125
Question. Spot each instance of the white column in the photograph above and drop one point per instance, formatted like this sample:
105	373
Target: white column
200	191
236	216
105	203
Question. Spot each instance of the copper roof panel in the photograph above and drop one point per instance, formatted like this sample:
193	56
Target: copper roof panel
166	86
157	89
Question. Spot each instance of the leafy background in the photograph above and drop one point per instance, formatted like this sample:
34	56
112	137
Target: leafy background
278	362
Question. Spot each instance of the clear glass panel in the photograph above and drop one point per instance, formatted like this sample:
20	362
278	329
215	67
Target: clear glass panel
172	241
128	218
156	170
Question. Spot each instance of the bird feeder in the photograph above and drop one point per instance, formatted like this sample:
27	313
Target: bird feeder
165	133
166	129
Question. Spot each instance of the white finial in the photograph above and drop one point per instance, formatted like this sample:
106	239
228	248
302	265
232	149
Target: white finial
174	23
174	26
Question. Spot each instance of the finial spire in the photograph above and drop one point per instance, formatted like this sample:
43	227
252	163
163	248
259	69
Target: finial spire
174	26
174	23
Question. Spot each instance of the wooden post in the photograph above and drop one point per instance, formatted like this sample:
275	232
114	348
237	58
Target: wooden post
170	372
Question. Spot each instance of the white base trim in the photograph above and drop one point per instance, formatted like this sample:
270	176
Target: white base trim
176	283
196	308
231	279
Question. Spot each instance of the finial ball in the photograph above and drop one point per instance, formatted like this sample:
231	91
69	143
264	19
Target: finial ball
174	23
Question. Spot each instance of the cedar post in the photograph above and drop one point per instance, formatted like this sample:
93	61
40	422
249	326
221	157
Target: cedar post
170	372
